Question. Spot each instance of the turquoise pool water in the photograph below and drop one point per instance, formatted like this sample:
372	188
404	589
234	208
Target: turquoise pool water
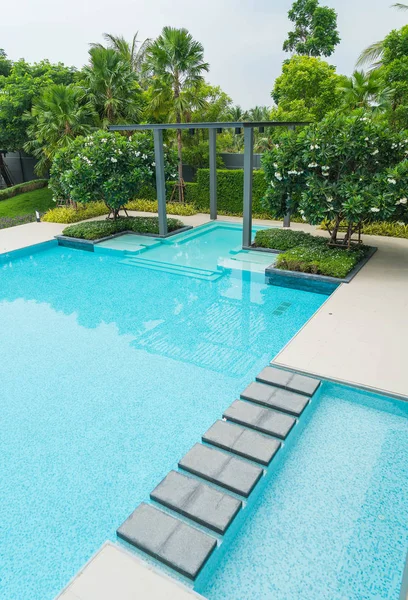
109	374
333	521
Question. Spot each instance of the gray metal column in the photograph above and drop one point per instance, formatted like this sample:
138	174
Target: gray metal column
286	218
160	180
248	167
213	173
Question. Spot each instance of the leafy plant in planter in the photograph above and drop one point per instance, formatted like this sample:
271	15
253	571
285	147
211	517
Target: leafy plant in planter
107	167
348	168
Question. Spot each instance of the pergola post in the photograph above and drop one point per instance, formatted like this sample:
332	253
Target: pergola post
213	173
248	168
160	180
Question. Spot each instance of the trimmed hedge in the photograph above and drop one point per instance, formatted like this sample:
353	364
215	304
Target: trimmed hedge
20	188
93	230
283	239
230	191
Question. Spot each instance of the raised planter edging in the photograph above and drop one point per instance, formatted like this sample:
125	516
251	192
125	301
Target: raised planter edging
314	276
81	244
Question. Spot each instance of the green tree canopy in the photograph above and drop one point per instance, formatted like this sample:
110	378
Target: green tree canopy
19	89
366	90
315	32
306	90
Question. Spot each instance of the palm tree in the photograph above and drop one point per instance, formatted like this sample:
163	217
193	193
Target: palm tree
113	87
365	90
373	54
58	116
132	52
176	62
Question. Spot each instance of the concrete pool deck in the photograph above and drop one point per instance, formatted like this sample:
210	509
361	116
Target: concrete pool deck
357	336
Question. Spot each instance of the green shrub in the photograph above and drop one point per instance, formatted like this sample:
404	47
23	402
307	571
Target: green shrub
320	259
283	239
20	188
230	191
93	230
173	208
69	214
399	230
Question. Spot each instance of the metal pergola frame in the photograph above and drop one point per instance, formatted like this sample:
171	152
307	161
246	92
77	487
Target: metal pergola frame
247	126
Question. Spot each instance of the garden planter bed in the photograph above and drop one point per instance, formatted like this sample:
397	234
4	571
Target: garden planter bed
82	244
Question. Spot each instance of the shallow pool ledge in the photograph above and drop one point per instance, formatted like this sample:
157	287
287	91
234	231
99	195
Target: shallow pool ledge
115	573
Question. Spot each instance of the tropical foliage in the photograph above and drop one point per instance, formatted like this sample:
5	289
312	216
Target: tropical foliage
93	230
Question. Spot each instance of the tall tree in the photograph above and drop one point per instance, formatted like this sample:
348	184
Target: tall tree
315	32
177	63
132	52
113	87
59	115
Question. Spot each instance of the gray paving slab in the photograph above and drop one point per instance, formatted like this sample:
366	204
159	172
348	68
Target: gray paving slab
223	469
168	539
198	501
302	384
242	441
274	397
262	419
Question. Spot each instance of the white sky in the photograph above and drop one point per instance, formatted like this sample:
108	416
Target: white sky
242	39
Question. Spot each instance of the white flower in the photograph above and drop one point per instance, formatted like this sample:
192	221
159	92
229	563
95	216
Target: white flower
153	164
391	180
278	176
276	165
114	160
325	174
367	139
137	153
402	201
375	152
329	199
144	156
312	165
374	209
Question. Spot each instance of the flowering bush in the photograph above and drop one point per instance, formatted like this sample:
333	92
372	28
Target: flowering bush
106	167
346	168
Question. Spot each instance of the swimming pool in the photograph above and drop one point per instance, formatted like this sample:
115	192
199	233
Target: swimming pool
110	373
332	523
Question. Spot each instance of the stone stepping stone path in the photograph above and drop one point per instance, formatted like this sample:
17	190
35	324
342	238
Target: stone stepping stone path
197	501
233	457
273	397
242	441
182	547
259	418
221	468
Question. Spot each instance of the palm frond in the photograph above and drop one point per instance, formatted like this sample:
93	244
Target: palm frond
371	55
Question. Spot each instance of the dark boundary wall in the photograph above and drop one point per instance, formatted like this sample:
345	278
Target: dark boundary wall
21	166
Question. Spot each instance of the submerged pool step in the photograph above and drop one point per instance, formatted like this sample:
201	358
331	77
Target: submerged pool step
182	270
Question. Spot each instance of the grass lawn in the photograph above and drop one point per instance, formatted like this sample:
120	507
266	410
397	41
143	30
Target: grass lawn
27	203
